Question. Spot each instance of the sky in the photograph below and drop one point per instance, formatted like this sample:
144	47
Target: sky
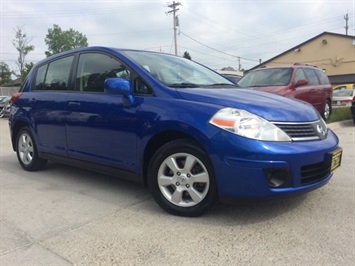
216	33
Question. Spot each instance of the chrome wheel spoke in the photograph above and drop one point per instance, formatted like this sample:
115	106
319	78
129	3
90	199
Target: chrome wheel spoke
22	143
189	163
29	145
176	197
29	157
26	158
165	181
200	178
172	164
21	148
196	196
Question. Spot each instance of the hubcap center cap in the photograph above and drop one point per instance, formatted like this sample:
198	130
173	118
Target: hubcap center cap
183	179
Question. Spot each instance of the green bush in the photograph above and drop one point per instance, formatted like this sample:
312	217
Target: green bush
340	114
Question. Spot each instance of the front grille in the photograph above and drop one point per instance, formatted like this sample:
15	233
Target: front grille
314	172
303	131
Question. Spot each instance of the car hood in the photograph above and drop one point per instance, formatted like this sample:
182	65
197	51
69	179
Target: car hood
270	106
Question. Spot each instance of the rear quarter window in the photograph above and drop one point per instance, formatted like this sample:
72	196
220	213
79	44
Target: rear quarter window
323	79
54	75
41	74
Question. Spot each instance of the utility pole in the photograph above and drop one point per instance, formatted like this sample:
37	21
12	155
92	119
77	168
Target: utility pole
175	20
346	17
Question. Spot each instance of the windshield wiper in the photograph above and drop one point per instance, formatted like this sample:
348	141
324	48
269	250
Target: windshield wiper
183	85
222	84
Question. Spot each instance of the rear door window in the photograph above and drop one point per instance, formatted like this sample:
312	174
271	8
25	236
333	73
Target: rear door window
299	75
311	76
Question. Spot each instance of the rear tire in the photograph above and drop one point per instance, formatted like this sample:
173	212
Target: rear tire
181	179
27	153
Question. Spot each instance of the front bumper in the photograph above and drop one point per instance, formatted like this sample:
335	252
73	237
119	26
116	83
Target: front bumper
244	167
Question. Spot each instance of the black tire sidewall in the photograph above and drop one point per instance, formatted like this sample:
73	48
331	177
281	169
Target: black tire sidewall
181	146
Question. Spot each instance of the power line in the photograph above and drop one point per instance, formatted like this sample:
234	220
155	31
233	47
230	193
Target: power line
208	54
214	49
284	32
203	19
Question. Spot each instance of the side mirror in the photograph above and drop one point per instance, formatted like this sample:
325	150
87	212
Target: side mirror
301	82
119	86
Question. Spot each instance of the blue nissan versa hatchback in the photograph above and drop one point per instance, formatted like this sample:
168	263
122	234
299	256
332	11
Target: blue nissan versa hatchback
169	123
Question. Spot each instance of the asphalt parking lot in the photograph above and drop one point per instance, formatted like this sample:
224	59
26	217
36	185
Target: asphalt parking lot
68	216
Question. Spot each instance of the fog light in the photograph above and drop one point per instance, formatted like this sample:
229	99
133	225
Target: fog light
277	178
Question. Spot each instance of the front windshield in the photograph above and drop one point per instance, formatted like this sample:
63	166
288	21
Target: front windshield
176	71
267	77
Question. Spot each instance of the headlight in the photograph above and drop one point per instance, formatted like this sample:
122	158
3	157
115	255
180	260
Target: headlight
248	125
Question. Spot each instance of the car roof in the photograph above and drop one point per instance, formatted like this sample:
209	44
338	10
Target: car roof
295	65
94	48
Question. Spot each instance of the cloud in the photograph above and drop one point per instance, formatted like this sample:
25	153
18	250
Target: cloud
251	30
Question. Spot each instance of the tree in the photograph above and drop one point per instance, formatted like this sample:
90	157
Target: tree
58	40
5	73
22	45
187	55
27	68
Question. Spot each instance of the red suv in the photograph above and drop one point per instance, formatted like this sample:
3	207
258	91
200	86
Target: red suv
303	82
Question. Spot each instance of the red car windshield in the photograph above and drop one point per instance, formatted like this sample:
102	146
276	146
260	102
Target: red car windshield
267	77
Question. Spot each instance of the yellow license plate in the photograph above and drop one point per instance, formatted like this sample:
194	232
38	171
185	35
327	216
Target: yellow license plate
336	159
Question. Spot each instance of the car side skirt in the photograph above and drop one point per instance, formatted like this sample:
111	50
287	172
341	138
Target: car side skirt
102	169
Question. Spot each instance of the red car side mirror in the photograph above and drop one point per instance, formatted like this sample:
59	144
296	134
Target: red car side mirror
301	82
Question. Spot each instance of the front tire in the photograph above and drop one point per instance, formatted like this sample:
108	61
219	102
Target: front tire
27	153
181	179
